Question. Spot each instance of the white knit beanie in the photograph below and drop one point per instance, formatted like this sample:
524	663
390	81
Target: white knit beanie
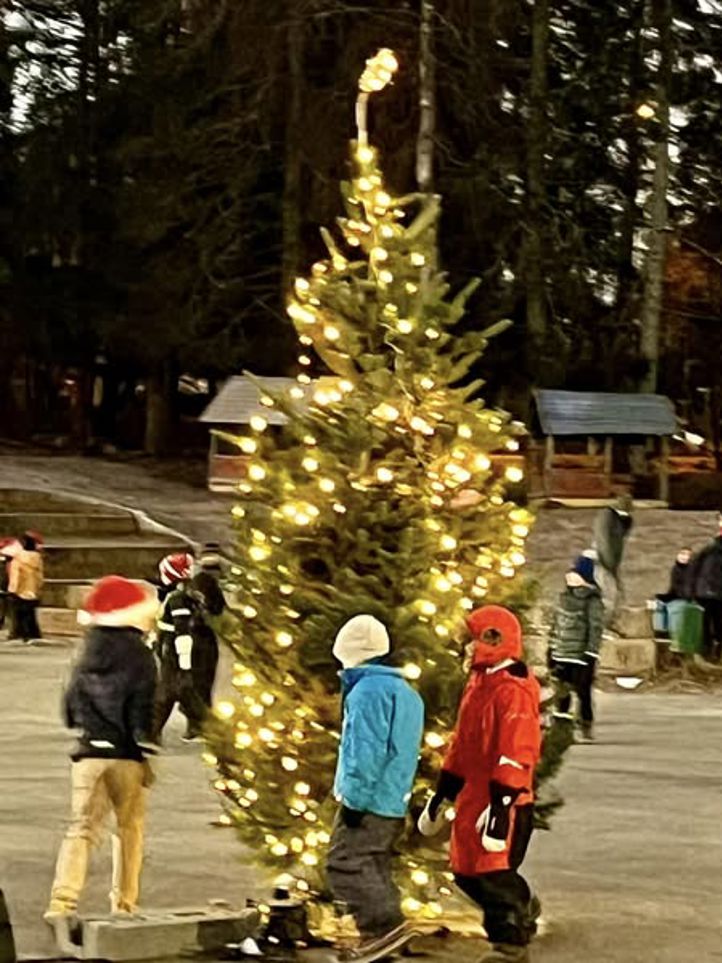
362	638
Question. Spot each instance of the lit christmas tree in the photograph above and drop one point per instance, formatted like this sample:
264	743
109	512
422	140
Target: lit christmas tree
380	495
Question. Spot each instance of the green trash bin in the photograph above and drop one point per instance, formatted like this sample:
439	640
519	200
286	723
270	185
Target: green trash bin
686	626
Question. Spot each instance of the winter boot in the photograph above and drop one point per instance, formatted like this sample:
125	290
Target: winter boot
506	953
532	915
586	734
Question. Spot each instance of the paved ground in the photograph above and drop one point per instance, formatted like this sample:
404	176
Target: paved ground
630	871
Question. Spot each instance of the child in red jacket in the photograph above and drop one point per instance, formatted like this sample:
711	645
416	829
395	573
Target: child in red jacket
489	772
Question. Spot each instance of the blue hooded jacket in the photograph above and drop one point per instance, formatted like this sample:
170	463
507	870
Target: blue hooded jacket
383	721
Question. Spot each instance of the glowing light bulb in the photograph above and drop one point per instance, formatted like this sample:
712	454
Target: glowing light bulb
247	445
512	445
331	332
258	423
426	607
243	740
256	472
302	789
432	334
433	740
284	639
365	154
266	735
420	877
427	383
386	412
310	463
309	859
411	288
302	285
249	612
646	111
448	543
384	475
379	253
304	359
345	385
514	474
256	711
520	530
225	710
411	671
417	259
441	631
279	849
382	199
296	393
405	326
386	277
518	559
259	553
442	584
410	905
289	763
339	508
327	485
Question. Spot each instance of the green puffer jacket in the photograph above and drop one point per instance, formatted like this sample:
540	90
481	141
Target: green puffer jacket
576	632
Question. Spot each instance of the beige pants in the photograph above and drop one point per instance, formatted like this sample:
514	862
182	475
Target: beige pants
99	785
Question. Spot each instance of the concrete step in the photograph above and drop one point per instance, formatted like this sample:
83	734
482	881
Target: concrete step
89	558
58	623
64	593
53	524
32	501
637	657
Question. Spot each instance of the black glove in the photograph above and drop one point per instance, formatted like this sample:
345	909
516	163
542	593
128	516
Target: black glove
351	817
501	799
448	787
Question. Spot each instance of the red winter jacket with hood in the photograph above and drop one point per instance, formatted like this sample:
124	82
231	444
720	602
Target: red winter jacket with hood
497	737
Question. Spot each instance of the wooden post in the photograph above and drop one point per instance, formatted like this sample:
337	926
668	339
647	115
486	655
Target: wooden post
664	470
548	461
608	460
592	446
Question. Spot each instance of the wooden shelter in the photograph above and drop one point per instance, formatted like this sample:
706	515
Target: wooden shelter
231	410
597	444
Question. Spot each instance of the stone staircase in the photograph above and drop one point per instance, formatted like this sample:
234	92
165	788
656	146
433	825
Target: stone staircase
83	540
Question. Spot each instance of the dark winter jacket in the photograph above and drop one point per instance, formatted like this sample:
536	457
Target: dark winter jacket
205	583
184	615
611	528
111	695
707	572
680	581
576	633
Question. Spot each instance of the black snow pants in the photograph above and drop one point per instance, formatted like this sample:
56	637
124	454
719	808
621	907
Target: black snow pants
192	690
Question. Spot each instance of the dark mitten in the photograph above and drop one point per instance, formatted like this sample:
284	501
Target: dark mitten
448	787
501	800
351	817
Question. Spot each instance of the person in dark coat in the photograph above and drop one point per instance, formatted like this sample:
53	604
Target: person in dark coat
187	647
611	529
575	641
706	581
109	702
680	578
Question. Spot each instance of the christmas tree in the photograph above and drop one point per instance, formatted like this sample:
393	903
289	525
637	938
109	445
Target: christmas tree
380	495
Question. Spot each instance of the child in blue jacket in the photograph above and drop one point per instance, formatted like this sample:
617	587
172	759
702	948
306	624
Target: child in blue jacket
383	720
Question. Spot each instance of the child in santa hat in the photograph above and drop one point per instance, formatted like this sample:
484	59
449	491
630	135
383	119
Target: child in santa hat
109	702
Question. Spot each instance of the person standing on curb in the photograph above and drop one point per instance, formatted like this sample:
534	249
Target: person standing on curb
109	701
24	587
706	582
187	647
383	719
488	772
575	640
611	529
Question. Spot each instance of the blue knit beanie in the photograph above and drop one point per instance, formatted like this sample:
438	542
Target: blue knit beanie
584	567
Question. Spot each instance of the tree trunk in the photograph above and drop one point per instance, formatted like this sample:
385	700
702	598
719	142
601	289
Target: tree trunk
626	273
160	389
657	243
427	100
293	166
536	300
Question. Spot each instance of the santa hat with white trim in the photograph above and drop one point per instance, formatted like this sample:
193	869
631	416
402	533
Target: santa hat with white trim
118	602
175	568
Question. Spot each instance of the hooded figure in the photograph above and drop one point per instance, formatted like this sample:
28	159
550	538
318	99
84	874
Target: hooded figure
383	720
109	702
575	640
489	772
706	582
187	647
611	528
